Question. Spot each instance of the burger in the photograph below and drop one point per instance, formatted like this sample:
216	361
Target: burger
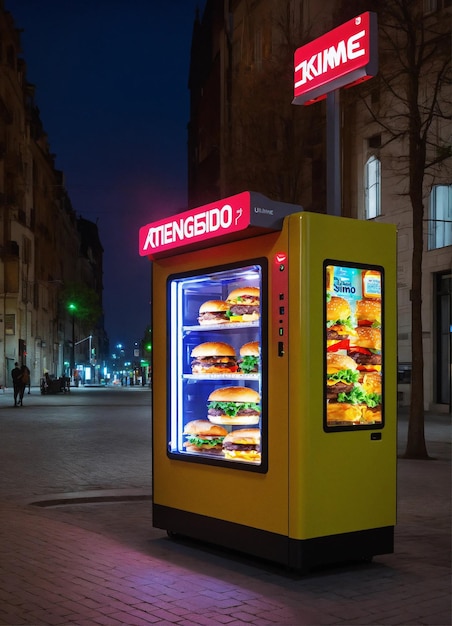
341	379
234	405
365	348
368	312
339	327
243	444
203	436
347	399
213	312
341	375
244	304
249	358
214	357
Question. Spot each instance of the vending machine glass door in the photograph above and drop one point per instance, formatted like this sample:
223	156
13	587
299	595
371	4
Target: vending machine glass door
217	366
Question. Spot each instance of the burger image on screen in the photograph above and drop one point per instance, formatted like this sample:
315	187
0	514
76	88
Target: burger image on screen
372	415
342	377
341	374
343	413
368	312
234	405
244	303
347	399
249	358
365	348
243	444
213	312
339	326
205	437
214	357
371	383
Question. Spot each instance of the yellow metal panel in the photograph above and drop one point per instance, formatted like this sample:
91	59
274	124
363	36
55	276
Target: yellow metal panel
243	497
339	481
318	483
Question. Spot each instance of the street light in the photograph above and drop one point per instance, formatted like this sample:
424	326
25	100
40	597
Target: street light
72	308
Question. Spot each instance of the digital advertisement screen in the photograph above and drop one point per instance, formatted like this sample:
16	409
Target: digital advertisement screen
354	375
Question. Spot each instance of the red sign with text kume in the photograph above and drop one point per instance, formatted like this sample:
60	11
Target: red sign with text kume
342	57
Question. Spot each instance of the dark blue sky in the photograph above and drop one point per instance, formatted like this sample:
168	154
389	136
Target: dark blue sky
111	85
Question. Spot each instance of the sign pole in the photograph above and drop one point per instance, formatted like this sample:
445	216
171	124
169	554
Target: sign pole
342	57
333	153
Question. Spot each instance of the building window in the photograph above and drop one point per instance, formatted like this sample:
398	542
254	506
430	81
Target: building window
11	57
257	52
440	217
372	186
430	6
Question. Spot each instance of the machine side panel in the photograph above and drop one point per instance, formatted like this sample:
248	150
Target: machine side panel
340	481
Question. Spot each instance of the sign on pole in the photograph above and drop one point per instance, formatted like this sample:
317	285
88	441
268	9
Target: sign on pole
342	57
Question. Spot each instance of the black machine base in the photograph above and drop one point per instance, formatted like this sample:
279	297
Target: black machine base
298	554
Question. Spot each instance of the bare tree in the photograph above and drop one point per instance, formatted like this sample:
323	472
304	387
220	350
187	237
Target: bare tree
415	85
415	74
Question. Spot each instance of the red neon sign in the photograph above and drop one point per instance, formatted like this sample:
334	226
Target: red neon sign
342	57
211	220
244	215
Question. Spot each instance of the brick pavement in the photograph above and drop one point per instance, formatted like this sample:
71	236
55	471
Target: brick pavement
103	563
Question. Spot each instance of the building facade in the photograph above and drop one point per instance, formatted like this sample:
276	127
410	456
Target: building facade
43	245
245	133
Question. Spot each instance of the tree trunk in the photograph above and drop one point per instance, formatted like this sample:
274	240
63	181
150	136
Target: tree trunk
415	447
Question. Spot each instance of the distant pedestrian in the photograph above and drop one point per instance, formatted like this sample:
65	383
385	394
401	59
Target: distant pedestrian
16	375
24	382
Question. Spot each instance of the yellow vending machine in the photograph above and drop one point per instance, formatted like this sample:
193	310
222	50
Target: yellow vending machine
274	380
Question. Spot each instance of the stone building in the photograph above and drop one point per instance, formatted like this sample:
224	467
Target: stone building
244	133
43	246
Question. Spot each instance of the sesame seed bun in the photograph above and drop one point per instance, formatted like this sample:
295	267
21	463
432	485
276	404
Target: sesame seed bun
336	362
204	428
240	292
235	394
213	348
367	337
213	306
250	349
337	309
368	310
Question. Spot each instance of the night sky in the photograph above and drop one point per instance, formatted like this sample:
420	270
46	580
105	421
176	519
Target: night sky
111	86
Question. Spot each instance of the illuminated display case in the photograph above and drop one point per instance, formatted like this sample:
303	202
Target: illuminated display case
217	366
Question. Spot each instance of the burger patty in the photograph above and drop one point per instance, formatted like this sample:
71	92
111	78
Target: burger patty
213	315
334	390
365	359
244	309
240	446
333	334
217	361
